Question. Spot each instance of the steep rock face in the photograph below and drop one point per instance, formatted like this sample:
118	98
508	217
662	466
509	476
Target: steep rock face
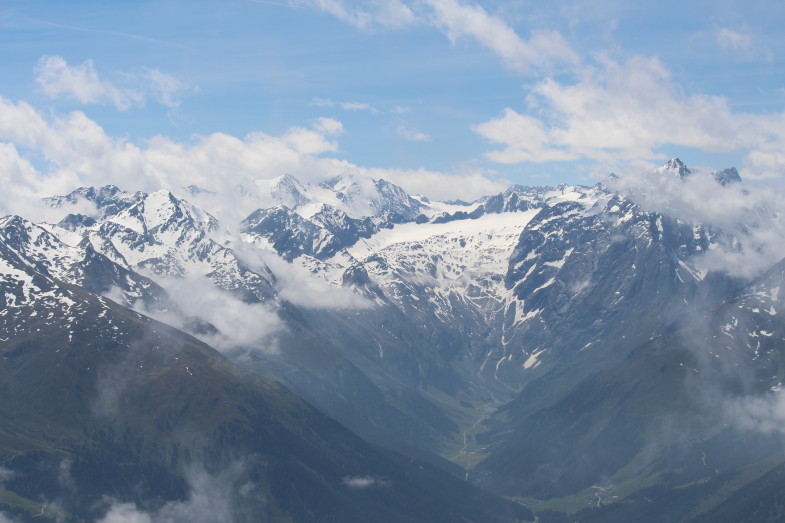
105	409
581	271
674	167
542	277
166	236
683	417
79	265
291	236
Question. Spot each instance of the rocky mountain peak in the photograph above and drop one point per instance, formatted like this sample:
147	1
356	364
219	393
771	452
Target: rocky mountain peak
675	167
727	176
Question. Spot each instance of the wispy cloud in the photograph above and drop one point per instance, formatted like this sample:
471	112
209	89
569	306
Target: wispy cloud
279	4
345	105
210	499
543	50
411	134
742	43
328	126
58	79
241	326
365	14
459	21
123	34
364	482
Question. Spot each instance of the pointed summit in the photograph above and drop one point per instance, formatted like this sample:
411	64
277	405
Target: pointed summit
675	167
284	190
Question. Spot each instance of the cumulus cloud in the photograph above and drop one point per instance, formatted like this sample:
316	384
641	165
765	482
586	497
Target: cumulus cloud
625	111
762	414
77	151
328	126
57	79
241	325
299	286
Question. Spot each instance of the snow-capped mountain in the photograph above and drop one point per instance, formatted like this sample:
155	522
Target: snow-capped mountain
103	408
412	321
357	197
78	264
160	235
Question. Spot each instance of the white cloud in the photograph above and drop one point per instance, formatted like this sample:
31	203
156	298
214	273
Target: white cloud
57	79
411	134
77	151
624	111
164	87
467	185
543	50
241	325
328	126
209	500
742	43
458	21
299	286
6	474
365	14
363	482
346	105
125	513
763	414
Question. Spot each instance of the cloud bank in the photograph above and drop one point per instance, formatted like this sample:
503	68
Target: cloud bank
73	150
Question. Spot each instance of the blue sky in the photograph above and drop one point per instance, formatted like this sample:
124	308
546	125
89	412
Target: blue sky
445	97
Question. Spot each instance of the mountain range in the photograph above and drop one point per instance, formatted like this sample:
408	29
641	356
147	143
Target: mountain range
346	351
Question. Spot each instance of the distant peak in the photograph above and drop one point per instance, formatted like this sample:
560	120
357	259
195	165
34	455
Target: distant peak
727	176
288	179
193	190
676	167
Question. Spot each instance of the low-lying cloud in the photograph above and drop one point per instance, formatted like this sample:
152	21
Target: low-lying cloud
364	482
760	414
750	216
210	499
240	325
